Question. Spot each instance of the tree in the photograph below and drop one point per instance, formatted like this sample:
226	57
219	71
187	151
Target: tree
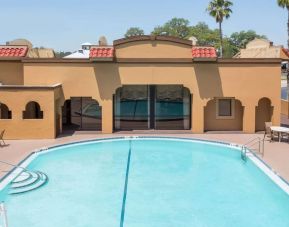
61	54
134	31
242	38
205	35
178	27
220	10
285	4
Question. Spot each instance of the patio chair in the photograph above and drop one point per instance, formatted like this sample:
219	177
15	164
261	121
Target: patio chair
268	132
2	138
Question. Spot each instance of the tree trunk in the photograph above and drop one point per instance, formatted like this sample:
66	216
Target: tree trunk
221	38
288	28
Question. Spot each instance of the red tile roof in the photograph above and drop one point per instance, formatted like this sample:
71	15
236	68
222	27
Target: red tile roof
286	51
204	52
101	52
13	51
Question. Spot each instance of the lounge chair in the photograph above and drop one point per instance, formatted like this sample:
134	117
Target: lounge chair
268	132
2	138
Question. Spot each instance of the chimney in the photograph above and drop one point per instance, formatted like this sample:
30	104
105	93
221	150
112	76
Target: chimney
102	41
194	40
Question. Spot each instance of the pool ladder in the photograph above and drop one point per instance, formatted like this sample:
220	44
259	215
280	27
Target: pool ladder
250	146
3	215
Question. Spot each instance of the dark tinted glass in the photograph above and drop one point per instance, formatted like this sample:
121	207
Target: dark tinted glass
131	107
152	107
82	113
172	107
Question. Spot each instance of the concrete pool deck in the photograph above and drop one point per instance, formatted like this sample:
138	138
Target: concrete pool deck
276	154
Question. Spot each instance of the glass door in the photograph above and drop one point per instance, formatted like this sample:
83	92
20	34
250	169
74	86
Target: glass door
142	107
172	107
131	108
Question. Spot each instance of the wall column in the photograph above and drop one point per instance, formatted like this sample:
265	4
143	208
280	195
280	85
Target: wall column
197	116
107	116
249	118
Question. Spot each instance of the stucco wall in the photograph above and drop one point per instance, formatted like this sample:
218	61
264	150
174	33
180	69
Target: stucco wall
11	73
245	82
19	128
149	61
153	49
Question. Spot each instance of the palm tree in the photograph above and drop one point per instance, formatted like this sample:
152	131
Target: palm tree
220	10
285	4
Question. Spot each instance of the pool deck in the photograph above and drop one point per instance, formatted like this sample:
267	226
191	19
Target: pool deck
276	154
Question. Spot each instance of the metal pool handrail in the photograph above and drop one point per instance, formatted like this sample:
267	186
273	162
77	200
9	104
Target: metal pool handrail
249	146
15	166
3	214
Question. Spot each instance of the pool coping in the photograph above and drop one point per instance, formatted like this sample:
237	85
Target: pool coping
261	164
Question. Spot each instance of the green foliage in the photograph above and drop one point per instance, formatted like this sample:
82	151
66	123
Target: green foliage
177	27
205	35
220	9
283	3
242	38
134	31
62	54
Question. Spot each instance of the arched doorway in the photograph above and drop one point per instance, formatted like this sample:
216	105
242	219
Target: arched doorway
81	113
223	114
263	114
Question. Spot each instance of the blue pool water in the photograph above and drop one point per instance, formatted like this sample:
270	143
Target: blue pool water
168	183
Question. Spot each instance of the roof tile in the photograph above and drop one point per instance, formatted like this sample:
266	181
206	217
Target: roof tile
101	52
13	51
286	51
204	52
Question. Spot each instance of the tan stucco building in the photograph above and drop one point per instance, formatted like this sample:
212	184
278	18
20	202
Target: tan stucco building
147	82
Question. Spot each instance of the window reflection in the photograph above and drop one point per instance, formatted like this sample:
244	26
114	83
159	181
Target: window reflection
81	113
172	107
152	107
131	107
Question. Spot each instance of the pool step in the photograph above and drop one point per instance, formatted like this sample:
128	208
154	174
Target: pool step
22	177
24	183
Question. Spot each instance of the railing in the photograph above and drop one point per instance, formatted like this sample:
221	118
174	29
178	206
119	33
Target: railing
15	166
251	145
3	216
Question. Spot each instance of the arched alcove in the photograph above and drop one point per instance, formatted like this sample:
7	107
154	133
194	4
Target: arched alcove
5	113
223	114
32	111
263	113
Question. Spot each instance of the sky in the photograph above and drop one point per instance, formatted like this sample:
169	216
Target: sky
65	24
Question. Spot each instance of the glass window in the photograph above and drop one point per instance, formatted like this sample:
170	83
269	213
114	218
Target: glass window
82	113
225	108
131	108
164	107
172	107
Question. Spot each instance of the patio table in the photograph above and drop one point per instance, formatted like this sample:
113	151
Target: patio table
279	130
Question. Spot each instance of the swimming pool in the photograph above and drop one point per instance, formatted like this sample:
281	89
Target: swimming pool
159	182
